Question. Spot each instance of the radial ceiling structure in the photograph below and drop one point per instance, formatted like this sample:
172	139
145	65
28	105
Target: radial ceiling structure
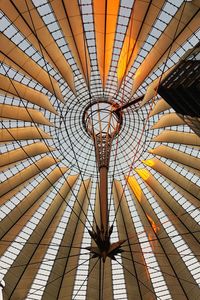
100	182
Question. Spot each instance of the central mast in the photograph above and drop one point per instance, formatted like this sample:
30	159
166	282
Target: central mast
103	142
103	123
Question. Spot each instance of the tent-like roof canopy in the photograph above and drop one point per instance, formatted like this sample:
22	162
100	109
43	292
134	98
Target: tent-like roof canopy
59	57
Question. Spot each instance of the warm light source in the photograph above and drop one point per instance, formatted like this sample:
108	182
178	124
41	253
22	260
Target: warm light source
149	162
153	224
144	174
134	187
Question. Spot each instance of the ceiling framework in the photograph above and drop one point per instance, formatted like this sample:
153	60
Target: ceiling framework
100	178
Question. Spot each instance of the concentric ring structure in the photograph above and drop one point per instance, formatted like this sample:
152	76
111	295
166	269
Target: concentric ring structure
59	57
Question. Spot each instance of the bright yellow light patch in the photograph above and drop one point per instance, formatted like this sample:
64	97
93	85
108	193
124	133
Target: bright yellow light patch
134	187
149	162
144	174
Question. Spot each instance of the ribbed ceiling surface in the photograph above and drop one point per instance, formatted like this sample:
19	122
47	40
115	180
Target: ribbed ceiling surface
58	57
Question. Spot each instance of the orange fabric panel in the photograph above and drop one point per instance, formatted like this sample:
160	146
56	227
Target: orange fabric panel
105	20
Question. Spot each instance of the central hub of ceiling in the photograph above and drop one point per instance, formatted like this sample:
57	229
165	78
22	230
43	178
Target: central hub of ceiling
100	118
102	122
74	134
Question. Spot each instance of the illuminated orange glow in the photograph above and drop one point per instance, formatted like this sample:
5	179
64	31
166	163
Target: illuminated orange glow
149	162
155	229
144	174
137	74
134	187
153	224
124	59
131	46
105	35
